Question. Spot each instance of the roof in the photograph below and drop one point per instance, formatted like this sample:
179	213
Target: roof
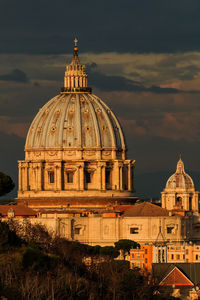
146	209
180	179
191	271
19	210
123	208
75	118
176	278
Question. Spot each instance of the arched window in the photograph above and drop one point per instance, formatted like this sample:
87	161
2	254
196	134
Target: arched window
179	201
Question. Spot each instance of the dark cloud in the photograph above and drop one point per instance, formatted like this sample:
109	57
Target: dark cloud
135	26
12	150
119	83
16	75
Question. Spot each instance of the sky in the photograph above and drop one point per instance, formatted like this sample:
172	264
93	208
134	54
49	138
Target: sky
142	59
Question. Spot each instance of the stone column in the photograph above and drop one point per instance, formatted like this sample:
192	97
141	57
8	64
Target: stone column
81	177
76	81
99	177
20	177
39	176
129	177
81	81
72	82
120	178
116	184
103	177
26	179
84	81
68	82
58	176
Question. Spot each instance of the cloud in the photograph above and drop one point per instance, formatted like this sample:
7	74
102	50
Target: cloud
134	26
119	83
16	75
10	126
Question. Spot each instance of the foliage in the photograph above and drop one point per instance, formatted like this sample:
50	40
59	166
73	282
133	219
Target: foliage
125	245
6	184
8	238
47	267
109	251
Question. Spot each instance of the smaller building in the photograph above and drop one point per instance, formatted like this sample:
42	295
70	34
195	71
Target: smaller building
179	193
180	280
147	255
183	253
142	258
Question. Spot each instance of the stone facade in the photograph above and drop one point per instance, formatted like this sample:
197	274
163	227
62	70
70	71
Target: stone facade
75	148
77	177
106	228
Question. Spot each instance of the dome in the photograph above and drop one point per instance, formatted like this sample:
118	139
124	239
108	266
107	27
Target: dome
180	180
75	150
75	118
80	120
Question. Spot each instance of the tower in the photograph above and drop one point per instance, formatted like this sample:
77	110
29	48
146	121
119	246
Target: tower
75	151
179	192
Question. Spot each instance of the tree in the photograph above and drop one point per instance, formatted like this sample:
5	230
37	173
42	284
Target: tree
109	251
125	245
8	238
6	184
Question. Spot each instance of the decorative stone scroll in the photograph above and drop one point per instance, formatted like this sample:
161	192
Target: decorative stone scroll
52	153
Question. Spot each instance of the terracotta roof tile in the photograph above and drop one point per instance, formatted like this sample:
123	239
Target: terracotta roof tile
19	210
146	209
176	278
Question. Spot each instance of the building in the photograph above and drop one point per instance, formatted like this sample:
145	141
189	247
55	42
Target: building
147	255
142	258
77	178
16	211
179	193
75	151
181	280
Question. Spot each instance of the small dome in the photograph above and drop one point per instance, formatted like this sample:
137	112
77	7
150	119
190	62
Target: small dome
180	180
78	120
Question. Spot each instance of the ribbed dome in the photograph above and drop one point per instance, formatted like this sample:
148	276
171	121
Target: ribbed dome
180	179
75	118
79	120
75	149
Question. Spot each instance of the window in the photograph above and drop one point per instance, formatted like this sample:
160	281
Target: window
186	251
108	173
197	256
172	256
179	201
132	256
145	260
134	230
170	229
69	177
183	256
178	256
77	230
88	177
51	176
138	255
145	251
190	203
